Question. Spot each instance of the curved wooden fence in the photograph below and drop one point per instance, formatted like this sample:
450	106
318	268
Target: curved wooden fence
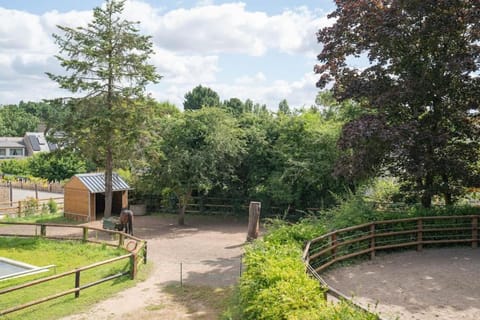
136	247
369	238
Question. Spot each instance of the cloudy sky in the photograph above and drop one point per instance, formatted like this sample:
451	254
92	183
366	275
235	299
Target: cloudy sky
262	50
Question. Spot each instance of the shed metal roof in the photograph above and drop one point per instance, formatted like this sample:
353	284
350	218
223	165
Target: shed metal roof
95	182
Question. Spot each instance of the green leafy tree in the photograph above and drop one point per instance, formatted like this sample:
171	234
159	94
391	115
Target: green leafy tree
17	167
283	107
290	160
419	90
56	166
196	151
201	97
16	121
107	61
234	105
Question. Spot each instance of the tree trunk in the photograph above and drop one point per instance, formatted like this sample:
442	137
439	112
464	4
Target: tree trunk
108	183
447	194
427	191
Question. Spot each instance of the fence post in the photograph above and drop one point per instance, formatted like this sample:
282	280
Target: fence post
372	240
85	234
145	252
77	283
133	266
475	232
333	244
19	208
11	193
43	230
419	234
181	274
253	220
121	240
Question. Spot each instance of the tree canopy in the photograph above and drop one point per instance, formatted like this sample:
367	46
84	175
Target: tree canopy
419	91
195	151
201	97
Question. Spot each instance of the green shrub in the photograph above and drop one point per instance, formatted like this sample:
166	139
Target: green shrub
275	285
30	207
282	232
52	206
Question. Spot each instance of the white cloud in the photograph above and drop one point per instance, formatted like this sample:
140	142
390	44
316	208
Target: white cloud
185	69
256	78
257	87
230	28
298	93
189	44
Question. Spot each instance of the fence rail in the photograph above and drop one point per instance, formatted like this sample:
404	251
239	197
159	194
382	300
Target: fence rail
29	206
55	187
137	255
369	238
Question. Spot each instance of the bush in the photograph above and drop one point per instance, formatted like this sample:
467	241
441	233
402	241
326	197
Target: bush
30	207
52	206
275	285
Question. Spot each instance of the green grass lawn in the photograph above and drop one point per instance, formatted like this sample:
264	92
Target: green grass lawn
43	218
66	255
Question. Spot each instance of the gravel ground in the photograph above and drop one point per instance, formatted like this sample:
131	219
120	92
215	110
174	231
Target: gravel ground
209	249
429	285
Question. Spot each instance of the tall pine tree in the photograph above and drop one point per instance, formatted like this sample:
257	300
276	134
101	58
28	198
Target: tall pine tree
107	70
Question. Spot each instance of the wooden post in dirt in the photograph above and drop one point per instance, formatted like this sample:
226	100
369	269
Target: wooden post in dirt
253	220
475	232
419	234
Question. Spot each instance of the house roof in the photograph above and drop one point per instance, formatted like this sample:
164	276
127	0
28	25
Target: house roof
95	182
38	142
11	142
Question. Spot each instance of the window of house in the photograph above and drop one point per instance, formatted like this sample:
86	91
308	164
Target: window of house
3	152
16	152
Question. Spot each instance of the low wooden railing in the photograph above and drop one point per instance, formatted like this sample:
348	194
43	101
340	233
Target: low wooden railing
29	206
137	254
369	238
55	187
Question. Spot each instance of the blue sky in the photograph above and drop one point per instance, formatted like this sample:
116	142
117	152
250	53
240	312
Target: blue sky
262	50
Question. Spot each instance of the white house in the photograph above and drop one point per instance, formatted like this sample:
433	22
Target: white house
31	143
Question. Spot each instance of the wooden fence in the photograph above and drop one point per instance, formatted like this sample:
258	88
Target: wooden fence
369	238
137	254
55	187
29	206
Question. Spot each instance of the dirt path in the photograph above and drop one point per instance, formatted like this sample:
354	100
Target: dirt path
209	249
430	285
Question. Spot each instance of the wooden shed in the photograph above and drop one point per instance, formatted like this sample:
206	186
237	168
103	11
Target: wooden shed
84	196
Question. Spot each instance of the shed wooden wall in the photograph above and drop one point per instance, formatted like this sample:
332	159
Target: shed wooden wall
76	200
